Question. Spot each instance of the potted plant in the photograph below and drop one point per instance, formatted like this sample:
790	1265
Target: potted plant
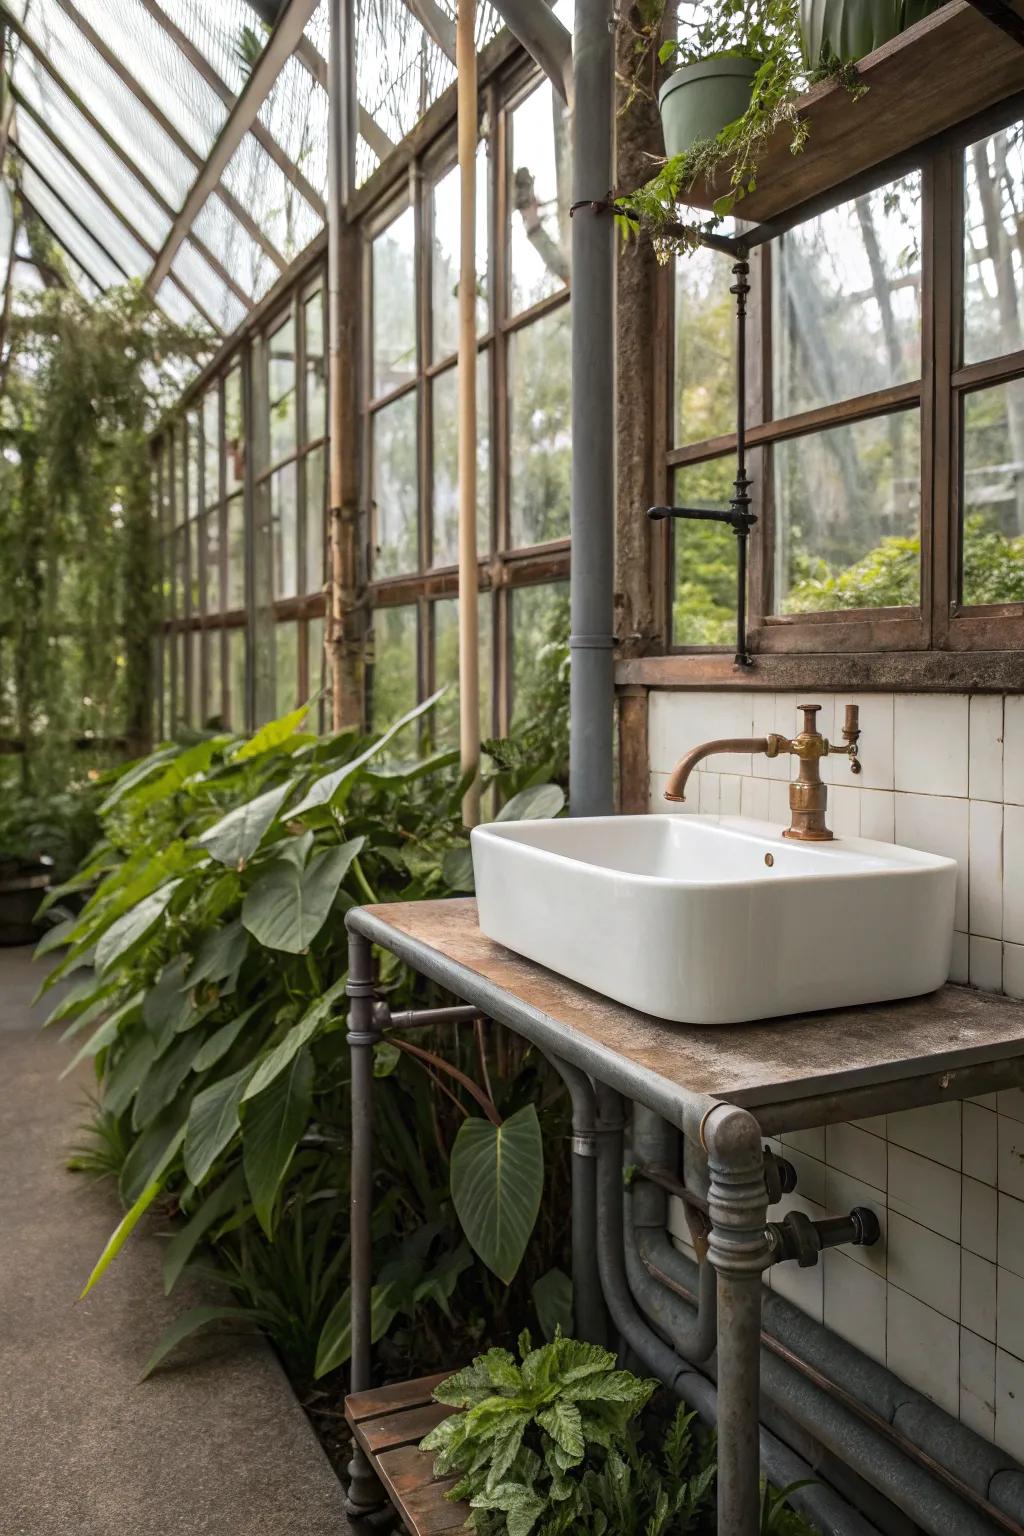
848	29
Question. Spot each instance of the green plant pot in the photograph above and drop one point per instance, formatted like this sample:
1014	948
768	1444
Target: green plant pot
849	28
699	100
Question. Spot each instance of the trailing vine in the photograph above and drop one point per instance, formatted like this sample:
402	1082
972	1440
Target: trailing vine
85	379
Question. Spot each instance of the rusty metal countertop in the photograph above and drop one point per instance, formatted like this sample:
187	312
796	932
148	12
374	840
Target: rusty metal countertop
952	1043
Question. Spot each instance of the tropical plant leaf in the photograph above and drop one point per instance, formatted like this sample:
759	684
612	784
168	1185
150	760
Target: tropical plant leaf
335	1344
279	1058
534	804
212	1122
191	1322
219	958
235	838
164	1078
148	1152
124	1077
497	1179
220	1042
133	926
287	906
105	1034
185	1241
325	789
131	1218
272	1123
274	734
552	1297
457	869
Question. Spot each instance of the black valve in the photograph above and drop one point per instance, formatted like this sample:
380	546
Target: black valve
779	1176
798	1237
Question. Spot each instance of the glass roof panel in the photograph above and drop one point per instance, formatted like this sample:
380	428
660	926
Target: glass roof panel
154	60
229	34
176	305
211	291
69	232
90	210
296	114
248	263
262	187
84	144
124	118
400	72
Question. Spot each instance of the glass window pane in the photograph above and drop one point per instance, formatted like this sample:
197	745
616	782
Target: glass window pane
236	679
540	456
208	289
195	654
540	619
394	664
445	507
316	378
226	238
234	431
539	198
180	706
316	548
395	488
993	495
705	378
447	221
192	489
263	189
847	300
180	572
704	556
281	390
394	305
993	250
212	557
286	666
69	232
178	456
214	677
235	597
284	530
211	446
317	665
446	669
848	515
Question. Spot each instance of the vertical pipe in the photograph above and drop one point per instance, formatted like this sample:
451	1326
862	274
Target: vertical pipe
342	620
738	1249
469	624
592	685
364	1493
589	1316
741	492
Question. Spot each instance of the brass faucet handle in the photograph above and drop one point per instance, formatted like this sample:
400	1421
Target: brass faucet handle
851	736
810	725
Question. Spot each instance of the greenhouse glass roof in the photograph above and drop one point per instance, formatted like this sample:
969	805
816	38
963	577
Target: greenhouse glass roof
184	142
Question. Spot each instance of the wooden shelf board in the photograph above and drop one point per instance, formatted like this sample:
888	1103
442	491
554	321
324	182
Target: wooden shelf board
389	1423
941	72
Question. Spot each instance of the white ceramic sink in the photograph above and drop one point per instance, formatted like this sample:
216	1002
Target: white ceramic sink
716	920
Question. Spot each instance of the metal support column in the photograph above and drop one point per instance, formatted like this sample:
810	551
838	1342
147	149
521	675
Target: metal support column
365	1495
590	1320
738	1250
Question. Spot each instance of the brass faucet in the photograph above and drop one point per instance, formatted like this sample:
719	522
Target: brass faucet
808	796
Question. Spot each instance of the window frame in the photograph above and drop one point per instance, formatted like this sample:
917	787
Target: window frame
943	624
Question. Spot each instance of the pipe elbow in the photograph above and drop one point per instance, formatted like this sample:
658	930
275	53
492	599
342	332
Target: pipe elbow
731	1136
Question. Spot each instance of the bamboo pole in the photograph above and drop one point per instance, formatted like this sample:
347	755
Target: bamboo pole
469	624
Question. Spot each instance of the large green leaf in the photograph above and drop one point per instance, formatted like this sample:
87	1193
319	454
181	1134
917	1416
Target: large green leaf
105	1034
133	926
335	1343
220	1042
137	774
219	958
497	1179
287	906
185	1241
147	1155
553	1299
130	1220
275	1062
164	1078
534	804
167	1005
190	1322
235	838
212	1122
56	936
332	785
272	1123
274	734
124	1077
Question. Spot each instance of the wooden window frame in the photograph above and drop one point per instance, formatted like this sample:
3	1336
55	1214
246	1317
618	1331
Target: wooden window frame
944	644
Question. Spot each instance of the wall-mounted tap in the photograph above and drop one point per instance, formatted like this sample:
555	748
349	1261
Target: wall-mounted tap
808	796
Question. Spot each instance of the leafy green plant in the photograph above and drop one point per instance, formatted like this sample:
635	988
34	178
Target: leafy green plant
213	921
556	1443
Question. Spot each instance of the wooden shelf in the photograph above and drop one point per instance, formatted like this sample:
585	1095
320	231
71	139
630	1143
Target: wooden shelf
935	75
389	1423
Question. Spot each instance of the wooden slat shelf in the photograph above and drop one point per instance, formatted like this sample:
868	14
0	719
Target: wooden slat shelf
389	1423
945	70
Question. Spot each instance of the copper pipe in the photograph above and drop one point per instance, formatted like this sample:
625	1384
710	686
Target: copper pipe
469	622
769	745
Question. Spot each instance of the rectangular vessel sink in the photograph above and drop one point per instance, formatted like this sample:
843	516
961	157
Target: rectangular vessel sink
716	920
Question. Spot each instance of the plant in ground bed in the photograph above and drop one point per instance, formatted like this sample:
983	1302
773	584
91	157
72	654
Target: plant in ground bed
208	965
557	1442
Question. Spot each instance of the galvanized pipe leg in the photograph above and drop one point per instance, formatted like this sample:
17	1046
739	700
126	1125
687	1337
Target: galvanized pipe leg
738	1249
365	1495
590	1320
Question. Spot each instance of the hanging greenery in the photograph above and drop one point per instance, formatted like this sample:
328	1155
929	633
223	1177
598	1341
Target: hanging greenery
85	378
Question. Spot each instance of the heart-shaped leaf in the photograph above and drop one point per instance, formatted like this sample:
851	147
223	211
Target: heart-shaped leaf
287	906
533	804
272	1123
497	1179
235	838
212	1122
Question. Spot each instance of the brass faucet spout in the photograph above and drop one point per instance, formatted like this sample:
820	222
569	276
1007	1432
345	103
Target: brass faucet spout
769	745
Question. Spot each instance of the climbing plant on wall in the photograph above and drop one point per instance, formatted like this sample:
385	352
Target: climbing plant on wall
84	380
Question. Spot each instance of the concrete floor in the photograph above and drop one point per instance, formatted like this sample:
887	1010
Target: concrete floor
215	1446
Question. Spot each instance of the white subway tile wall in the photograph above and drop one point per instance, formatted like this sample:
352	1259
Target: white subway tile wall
940	1300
